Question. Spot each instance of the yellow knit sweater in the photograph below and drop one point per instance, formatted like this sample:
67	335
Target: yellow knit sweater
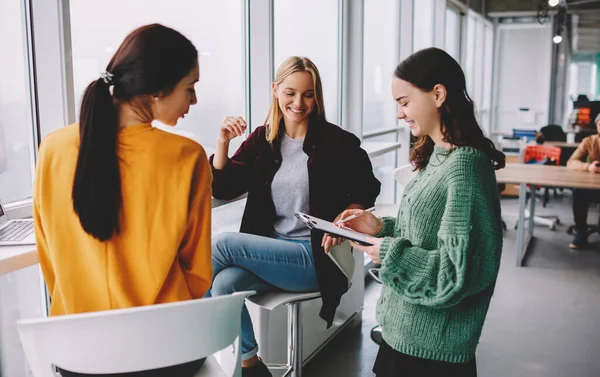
163	252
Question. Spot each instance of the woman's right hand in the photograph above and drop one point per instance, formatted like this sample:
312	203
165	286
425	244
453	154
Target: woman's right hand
364	222
231	128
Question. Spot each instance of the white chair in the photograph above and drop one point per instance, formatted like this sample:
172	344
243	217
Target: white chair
136	339
404	174
273	300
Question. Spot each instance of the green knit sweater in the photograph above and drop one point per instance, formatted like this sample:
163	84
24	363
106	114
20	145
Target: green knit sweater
440	258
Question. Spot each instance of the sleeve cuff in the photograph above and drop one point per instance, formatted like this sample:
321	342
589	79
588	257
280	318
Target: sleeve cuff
216	173
389	226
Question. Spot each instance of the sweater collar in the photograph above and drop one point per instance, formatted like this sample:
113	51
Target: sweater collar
441	151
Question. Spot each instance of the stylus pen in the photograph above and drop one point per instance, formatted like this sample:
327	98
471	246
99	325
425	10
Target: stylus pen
351	217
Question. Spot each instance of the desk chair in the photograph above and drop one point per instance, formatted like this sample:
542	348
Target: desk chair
582	134
552	155
273	300
137	339
553	132
591	229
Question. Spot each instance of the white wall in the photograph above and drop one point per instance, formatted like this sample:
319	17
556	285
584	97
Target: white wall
524	63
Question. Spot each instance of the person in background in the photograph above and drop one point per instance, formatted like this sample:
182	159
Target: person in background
297	161
440	256
586	158
122	210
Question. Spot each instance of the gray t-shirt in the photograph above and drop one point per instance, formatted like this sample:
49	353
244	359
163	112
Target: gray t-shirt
289	190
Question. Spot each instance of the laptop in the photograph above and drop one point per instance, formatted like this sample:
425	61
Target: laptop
15	232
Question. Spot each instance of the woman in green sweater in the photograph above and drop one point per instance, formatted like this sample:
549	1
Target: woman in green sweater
440	256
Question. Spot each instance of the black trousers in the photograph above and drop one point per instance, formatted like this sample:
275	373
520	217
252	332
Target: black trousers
181	370
391	363
581	202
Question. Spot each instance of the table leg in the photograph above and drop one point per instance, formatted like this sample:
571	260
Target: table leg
521	223
531	225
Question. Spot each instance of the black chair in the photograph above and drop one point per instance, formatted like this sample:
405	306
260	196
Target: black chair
579	136
591	229
553	132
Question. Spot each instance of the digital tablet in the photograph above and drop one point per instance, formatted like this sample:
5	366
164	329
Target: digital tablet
333	230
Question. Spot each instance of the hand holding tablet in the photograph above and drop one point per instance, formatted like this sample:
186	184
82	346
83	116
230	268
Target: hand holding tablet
333	230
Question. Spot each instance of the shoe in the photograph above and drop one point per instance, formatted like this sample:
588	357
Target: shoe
376	334
259	370
579	241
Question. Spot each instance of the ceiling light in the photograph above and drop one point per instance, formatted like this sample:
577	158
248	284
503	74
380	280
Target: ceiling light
557	39
553	3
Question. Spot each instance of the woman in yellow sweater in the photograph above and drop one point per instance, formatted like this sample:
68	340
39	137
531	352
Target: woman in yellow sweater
122	210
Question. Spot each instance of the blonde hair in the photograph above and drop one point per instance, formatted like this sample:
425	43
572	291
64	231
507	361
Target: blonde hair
292	65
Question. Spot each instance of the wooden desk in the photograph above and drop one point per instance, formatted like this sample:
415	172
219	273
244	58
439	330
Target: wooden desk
540	175
14	258
561	144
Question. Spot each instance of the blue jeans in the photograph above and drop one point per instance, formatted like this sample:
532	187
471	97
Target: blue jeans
247	262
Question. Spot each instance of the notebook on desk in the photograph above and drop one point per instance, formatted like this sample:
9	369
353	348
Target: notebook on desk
15	232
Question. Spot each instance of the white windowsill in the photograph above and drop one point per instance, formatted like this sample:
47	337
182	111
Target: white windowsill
378	148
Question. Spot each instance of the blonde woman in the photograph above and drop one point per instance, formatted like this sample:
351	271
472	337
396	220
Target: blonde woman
297	161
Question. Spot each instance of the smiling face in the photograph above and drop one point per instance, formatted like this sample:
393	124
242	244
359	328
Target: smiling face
175	105
419	108
296	97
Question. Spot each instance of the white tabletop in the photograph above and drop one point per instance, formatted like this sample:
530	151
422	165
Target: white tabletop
14	258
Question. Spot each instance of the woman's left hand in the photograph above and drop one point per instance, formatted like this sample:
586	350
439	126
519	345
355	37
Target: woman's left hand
328	241
372	251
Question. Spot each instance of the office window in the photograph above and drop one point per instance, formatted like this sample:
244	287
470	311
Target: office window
423	24
452	37
381	39
469	67
486	104
216	28
310	29
479	55
16	128
383	169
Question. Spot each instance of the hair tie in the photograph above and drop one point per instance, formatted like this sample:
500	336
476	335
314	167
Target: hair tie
107	77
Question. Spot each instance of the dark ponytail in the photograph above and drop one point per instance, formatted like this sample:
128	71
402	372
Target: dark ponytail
150	62
97	183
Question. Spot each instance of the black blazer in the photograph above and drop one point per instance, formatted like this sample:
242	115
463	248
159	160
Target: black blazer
339	174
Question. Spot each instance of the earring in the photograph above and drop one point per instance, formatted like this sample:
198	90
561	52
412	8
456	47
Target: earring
156	98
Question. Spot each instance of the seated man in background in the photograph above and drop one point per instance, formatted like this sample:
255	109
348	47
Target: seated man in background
586	157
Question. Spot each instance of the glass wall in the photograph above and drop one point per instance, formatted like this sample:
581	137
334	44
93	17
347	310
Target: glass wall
478	55
311	29
16	125
380	58
469	66
452	35
380	48
488	62
216	28
423	24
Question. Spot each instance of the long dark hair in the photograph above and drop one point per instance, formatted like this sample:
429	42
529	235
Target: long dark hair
150	62
427	68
